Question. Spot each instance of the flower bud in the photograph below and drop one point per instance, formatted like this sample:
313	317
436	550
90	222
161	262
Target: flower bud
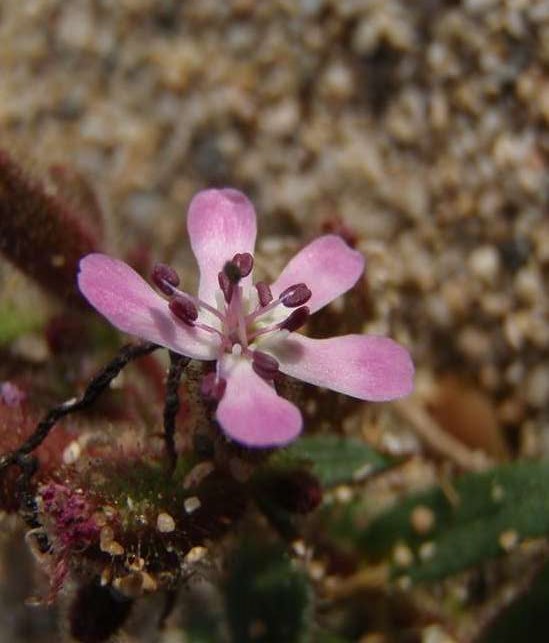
299	491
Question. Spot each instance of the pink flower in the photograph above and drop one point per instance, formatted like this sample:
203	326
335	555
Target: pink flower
247	329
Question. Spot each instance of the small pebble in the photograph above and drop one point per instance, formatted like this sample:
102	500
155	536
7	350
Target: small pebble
484	263
165	523
508	540
422	519
192	504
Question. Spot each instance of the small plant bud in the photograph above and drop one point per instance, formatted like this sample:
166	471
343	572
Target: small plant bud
244	262
165	278
226	286
264	293
184	309
295	295
298	491
264	365
212	387
296	320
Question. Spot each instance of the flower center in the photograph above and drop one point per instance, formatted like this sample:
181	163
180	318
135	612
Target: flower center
240	318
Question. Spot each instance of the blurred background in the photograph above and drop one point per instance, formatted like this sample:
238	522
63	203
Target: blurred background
416	129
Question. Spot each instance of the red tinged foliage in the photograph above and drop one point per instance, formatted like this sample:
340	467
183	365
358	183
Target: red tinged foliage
42	234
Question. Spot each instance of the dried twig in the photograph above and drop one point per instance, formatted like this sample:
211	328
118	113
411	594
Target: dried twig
439	440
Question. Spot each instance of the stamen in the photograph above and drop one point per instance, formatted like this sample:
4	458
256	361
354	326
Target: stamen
244	262
209	329
184	309
165	278
264	365
264	293
226	286
295	295
213	387
202	304
296	320
232	271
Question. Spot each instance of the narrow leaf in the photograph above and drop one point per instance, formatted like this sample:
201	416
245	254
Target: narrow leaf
334	460
268	601
525	617
491	513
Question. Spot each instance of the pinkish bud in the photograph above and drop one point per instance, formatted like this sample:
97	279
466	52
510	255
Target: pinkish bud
297	491
264	365
184	309
296	320
11	395
264	293
165	278
244	262
226	286
295	295
212	387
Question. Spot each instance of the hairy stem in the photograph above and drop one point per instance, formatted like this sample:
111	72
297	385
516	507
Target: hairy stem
94	389
171	405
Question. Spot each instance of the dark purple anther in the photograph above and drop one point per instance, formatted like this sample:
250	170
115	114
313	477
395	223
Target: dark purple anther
212	387
226	286
296	320
232	272
264	365
244	262
184	309
264	293
295	295
165	278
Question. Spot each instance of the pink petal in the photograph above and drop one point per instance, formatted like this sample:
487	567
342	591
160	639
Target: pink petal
221	223
328	266
129	303
364	366
251	412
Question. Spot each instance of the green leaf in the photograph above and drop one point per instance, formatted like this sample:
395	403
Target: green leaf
334	460
510	500
525	617
268	601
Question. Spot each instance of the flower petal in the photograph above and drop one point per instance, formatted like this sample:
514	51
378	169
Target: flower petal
327	265
221	223
129	303
251	412
364	366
